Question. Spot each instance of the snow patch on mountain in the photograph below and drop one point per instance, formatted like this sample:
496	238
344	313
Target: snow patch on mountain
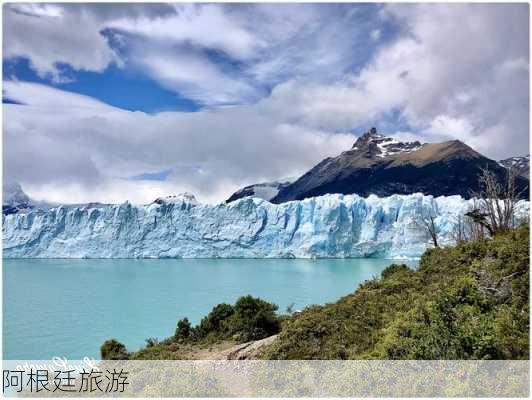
383	146
265	190
521	164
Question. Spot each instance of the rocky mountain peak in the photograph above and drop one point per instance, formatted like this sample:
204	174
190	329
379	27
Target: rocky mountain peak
521	164
13	194
369	137
374	144
181	198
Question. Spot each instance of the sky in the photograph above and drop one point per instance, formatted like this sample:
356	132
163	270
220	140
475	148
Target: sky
116	102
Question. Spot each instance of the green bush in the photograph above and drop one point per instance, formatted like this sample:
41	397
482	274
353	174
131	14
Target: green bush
394	269
254	319
113	350
183	329
466	302
215	321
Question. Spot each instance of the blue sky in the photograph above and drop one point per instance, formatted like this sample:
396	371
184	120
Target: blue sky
126	84
133	101
118	87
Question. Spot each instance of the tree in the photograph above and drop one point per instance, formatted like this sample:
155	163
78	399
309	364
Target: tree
215	321
427	220
254	318
183	329
466	229
112	349
495	209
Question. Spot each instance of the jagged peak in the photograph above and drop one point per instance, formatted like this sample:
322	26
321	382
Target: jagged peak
367	138
379	145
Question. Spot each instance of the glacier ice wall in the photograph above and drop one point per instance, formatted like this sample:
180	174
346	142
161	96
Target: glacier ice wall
325	226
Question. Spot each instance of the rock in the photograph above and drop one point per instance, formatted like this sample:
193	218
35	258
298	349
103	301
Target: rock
250	350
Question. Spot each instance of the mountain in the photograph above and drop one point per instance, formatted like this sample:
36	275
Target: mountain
522	164
265	191
327	226
380	165
14	199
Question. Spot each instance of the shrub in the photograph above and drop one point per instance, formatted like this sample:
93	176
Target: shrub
254	319
214	322
183	329
393	269
250	318
465	302
113	350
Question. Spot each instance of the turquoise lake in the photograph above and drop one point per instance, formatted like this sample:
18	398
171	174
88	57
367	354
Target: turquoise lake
67	308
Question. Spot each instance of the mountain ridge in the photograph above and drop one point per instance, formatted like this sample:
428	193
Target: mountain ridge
384	166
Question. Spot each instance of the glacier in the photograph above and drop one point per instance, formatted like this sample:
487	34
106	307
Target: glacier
332	225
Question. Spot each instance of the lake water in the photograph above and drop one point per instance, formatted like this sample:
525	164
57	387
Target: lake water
67	308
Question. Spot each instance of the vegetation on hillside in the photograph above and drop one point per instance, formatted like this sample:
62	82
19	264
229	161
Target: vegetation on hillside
466	302
250	318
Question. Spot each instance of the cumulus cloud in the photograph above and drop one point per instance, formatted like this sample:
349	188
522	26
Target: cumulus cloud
214	54
89	150
302	79
445	79
190	23
50	34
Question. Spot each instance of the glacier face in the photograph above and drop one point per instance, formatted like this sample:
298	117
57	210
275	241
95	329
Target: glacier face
325	226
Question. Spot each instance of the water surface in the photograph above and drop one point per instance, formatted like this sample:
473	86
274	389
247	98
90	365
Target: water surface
67	308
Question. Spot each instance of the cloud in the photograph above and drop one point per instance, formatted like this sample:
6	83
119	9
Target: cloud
51	34
193	76
469	77
301	79
211	53
43	97
189	24
72	153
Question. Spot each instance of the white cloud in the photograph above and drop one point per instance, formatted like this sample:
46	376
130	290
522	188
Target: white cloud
454	71
214	54
75	153
193	76
474	72
201	25
43	97
50	34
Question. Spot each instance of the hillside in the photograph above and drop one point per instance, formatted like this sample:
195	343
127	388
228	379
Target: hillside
465	302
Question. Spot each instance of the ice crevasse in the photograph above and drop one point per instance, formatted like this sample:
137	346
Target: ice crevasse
327	226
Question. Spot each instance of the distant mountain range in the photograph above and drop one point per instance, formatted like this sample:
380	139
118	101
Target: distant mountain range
381	165
14	199
522	164
376	164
